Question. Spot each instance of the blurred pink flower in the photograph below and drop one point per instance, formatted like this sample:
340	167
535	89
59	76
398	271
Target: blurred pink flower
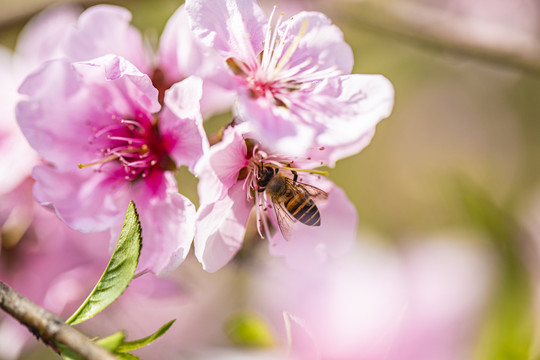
517	15
16	203
228	190
52	265
423	303
292	78
102	113
17	160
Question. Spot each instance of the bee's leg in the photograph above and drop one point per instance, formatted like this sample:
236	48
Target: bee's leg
295	175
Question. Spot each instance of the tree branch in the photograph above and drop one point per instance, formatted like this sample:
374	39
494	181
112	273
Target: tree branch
442	31
48	327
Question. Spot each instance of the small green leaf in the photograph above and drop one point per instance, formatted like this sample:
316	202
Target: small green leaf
118	273
113	341
126	356
132	345
68	354
247	329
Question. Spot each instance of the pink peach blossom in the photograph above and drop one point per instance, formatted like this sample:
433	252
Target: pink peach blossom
293	78
101	116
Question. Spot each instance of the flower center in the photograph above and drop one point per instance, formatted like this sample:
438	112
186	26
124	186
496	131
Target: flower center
129	148
271	74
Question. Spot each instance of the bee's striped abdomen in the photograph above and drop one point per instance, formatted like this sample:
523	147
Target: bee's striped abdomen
303	209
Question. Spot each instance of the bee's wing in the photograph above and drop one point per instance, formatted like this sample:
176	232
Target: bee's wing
314	192
284	220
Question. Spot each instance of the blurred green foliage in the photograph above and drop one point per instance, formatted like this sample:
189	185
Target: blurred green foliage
248	330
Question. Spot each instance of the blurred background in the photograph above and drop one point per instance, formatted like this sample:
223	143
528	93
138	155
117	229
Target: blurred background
458	159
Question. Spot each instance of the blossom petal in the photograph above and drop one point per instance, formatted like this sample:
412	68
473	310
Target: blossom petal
232	27
220	229
216	99
218	170
181	123
105	29
168	229
369	99
18	157
17	165
322	42
84	203
179	51
45	117
313	245
42	38
276	128
182	54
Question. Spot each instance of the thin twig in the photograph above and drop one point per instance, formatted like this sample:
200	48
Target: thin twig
48	327
442	31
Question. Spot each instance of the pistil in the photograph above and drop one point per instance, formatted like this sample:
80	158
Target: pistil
133	144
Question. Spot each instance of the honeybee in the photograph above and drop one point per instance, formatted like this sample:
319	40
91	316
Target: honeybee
292	200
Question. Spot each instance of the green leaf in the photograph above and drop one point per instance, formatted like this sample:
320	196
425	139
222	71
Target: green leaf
126	356
68	354
249	330
132	345
118	273
112	342
508	331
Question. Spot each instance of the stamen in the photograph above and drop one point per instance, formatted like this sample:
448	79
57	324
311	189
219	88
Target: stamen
308	75
237	67
132	122
99	162
273	53
129	140
268	42
131	145
292	48
107	129
278	50
295	70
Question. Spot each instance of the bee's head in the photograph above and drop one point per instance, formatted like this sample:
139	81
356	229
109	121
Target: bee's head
264	174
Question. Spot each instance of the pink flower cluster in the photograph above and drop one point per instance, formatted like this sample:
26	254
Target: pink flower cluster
41	257
113	121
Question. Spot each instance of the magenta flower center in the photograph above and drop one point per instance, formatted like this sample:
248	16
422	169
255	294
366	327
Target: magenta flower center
129	148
